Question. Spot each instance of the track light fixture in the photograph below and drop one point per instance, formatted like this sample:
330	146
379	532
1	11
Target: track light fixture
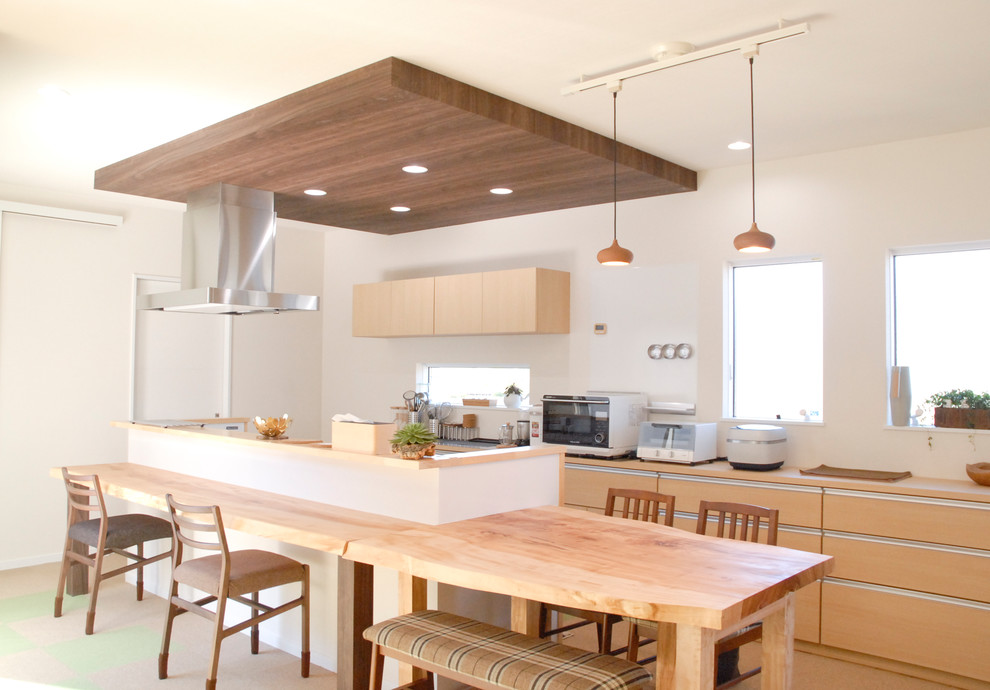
615	254
753	240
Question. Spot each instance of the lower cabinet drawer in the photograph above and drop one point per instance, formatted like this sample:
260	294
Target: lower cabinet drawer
588	486
926	630
797	505
807	613
949	571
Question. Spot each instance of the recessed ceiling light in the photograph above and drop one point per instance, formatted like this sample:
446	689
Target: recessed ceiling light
400	209
739	145
315	192
414	169
500	190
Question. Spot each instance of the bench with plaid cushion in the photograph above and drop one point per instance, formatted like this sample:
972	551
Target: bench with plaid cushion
488	657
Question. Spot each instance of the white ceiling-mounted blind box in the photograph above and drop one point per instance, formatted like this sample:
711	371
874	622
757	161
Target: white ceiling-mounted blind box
228	256
756	446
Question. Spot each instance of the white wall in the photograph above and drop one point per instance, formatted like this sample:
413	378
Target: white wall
65	311
848	208
65	320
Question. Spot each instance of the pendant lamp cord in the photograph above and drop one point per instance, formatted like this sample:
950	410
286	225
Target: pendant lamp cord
615	171
752	140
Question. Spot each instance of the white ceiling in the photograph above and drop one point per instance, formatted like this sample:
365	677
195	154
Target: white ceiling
869	71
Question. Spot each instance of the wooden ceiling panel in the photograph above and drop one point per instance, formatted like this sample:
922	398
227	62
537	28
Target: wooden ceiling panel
352	134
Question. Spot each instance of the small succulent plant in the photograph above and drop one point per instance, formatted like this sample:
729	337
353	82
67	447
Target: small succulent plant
413	434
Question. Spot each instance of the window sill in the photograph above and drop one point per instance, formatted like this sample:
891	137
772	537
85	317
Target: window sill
775	422
939	429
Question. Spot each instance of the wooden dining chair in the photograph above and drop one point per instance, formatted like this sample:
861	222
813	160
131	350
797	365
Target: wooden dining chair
226	575
105	534
731	521
634	504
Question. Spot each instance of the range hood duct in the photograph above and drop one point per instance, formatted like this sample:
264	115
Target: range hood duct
228	257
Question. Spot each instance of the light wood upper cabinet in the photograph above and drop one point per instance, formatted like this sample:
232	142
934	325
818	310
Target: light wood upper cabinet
457	301
372	309
412	307
518	301
393	308
526	300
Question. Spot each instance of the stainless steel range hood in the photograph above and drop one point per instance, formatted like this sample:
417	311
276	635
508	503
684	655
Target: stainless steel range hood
228	257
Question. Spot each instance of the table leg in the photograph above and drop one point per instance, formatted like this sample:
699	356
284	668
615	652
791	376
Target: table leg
525	616
685	657
355	598
412	597
778	647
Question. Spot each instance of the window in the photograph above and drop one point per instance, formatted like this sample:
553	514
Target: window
940	331
452	383
776	342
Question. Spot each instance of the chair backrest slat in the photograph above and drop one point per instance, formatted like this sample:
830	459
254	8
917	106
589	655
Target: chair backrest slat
198	527
84	495
738	520
639	504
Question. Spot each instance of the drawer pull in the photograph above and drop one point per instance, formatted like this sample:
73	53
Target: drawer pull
901	498
969	603
741	482
927	545
609	470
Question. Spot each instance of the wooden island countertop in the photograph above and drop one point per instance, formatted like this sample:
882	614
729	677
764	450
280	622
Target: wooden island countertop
315	448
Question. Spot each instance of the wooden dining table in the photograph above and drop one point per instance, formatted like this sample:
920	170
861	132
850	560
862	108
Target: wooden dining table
698	588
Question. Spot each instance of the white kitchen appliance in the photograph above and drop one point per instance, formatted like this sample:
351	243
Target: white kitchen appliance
687	443
599	424
756	446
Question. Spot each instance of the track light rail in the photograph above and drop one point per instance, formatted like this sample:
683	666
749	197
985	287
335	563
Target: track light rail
750	44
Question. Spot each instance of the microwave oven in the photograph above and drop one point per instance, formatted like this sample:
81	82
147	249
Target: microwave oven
598	424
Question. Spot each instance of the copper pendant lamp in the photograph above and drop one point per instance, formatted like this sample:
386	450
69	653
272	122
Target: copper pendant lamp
753	240
615	254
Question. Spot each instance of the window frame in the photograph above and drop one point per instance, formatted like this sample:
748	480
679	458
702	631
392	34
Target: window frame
891	317
729	343
423	378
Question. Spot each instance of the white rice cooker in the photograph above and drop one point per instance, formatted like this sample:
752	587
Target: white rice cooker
758	447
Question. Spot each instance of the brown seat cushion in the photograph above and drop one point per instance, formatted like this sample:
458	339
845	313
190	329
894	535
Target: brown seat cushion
251	570
122	530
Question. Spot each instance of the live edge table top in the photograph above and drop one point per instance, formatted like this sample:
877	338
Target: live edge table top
576	558
304	523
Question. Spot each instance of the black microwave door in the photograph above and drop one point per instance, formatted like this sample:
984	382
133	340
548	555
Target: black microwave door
575	424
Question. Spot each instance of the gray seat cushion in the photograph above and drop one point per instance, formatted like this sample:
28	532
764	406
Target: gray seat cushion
122	530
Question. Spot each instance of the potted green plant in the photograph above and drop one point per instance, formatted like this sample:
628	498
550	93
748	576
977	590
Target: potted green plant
961	409
513	396
413	441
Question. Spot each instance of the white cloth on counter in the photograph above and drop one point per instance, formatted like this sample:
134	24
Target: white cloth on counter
350	418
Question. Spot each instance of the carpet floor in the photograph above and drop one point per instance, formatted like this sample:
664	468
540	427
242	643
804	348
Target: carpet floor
38	650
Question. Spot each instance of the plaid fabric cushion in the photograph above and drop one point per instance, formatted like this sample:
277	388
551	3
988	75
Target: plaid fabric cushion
504	658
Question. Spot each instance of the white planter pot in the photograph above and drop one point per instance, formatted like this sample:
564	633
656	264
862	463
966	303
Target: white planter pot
512	401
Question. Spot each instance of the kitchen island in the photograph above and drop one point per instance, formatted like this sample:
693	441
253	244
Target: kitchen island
449	488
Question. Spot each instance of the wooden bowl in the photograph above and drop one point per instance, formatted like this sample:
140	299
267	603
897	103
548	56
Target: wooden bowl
979	473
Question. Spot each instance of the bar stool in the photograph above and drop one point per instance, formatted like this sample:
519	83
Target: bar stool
226	575
106	534
634	504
